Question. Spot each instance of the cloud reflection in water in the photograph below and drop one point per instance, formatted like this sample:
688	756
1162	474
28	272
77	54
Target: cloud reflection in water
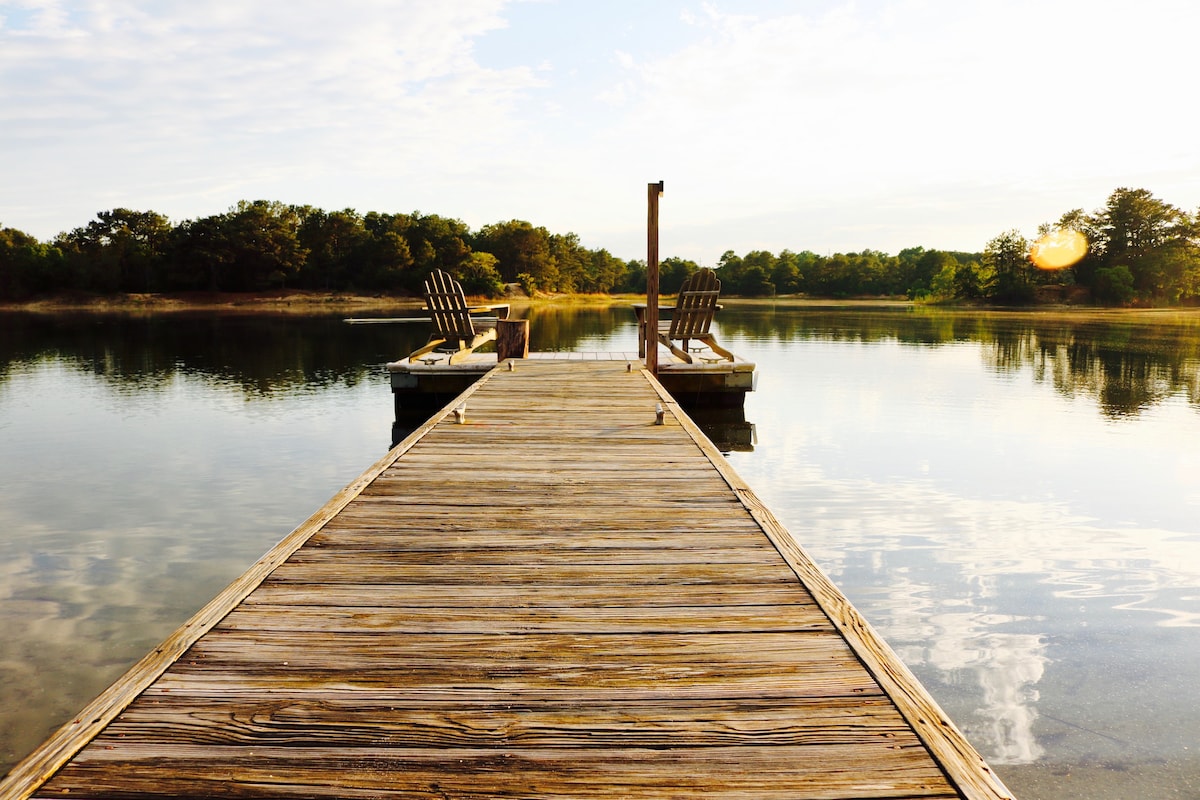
1020	551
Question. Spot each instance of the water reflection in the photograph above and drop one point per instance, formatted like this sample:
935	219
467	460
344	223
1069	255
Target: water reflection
1012	500
1127	361
726	428
1126	373
1031	554
263	354
1017	615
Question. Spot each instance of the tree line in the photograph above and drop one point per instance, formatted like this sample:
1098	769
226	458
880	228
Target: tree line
264	245
1140	249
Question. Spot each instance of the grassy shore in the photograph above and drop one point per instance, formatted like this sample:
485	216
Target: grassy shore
295	302
308	303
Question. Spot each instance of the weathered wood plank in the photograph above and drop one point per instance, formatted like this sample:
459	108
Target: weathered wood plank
482	555
311	719
615	657
662	575
441	538
513	621
422	664
518	518
761	773
649	596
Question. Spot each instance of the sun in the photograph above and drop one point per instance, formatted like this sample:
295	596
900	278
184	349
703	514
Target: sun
1058	249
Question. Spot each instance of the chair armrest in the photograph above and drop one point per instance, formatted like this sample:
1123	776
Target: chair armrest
501	309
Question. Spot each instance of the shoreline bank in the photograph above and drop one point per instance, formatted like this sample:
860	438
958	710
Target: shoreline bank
308	303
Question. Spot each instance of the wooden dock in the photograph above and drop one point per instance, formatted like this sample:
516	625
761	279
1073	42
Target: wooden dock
554	597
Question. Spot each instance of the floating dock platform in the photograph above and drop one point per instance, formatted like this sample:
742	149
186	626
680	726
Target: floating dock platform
424	386
554	587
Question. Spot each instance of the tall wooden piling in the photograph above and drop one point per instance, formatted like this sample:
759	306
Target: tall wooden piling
654	191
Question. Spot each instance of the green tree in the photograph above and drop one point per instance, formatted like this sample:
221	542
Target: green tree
266	250
818	276
835	275
201	256
252	247
943	286
672	272
635	277
1075	220
437	243
969	280
479	275
29	267
120	250
605	271
731	269
335	242
929	265
875	273
1006	258
385	259
1156	241
786	273
520	248
571	262
915	275
758	266
1113	285
931	272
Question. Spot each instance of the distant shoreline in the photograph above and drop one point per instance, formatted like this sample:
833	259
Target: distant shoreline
296	302
307	302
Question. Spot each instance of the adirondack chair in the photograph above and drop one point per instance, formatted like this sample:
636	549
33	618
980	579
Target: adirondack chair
453	321
693	315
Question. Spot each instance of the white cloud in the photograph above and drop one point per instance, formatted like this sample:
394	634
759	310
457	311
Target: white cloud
917	90
823	125
239	94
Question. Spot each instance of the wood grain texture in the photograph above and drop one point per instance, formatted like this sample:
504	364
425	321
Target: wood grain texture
754	773
555	598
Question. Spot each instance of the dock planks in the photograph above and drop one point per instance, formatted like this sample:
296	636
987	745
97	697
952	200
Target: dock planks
557	598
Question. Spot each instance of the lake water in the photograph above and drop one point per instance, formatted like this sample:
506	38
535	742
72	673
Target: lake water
1013	500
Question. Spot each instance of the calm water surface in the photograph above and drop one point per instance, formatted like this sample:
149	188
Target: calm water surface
1012	500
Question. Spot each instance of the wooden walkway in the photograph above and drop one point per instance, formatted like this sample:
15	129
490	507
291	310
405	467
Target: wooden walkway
555	598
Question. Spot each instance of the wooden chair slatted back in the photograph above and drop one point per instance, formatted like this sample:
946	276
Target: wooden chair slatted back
448	307
696	305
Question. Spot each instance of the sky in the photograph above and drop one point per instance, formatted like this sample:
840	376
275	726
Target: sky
823	125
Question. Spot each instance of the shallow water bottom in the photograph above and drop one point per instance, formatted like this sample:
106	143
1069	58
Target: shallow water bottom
1109	780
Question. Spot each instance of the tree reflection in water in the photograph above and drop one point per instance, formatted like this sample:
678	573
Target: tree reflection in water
1127	360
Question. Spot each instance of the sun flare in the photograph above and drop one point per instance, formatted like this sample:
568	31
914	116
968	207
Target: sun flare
1058	249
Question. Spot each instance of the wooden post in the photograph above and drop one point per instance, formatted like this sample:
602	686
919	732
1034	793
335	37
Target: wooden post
512	338
655	191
